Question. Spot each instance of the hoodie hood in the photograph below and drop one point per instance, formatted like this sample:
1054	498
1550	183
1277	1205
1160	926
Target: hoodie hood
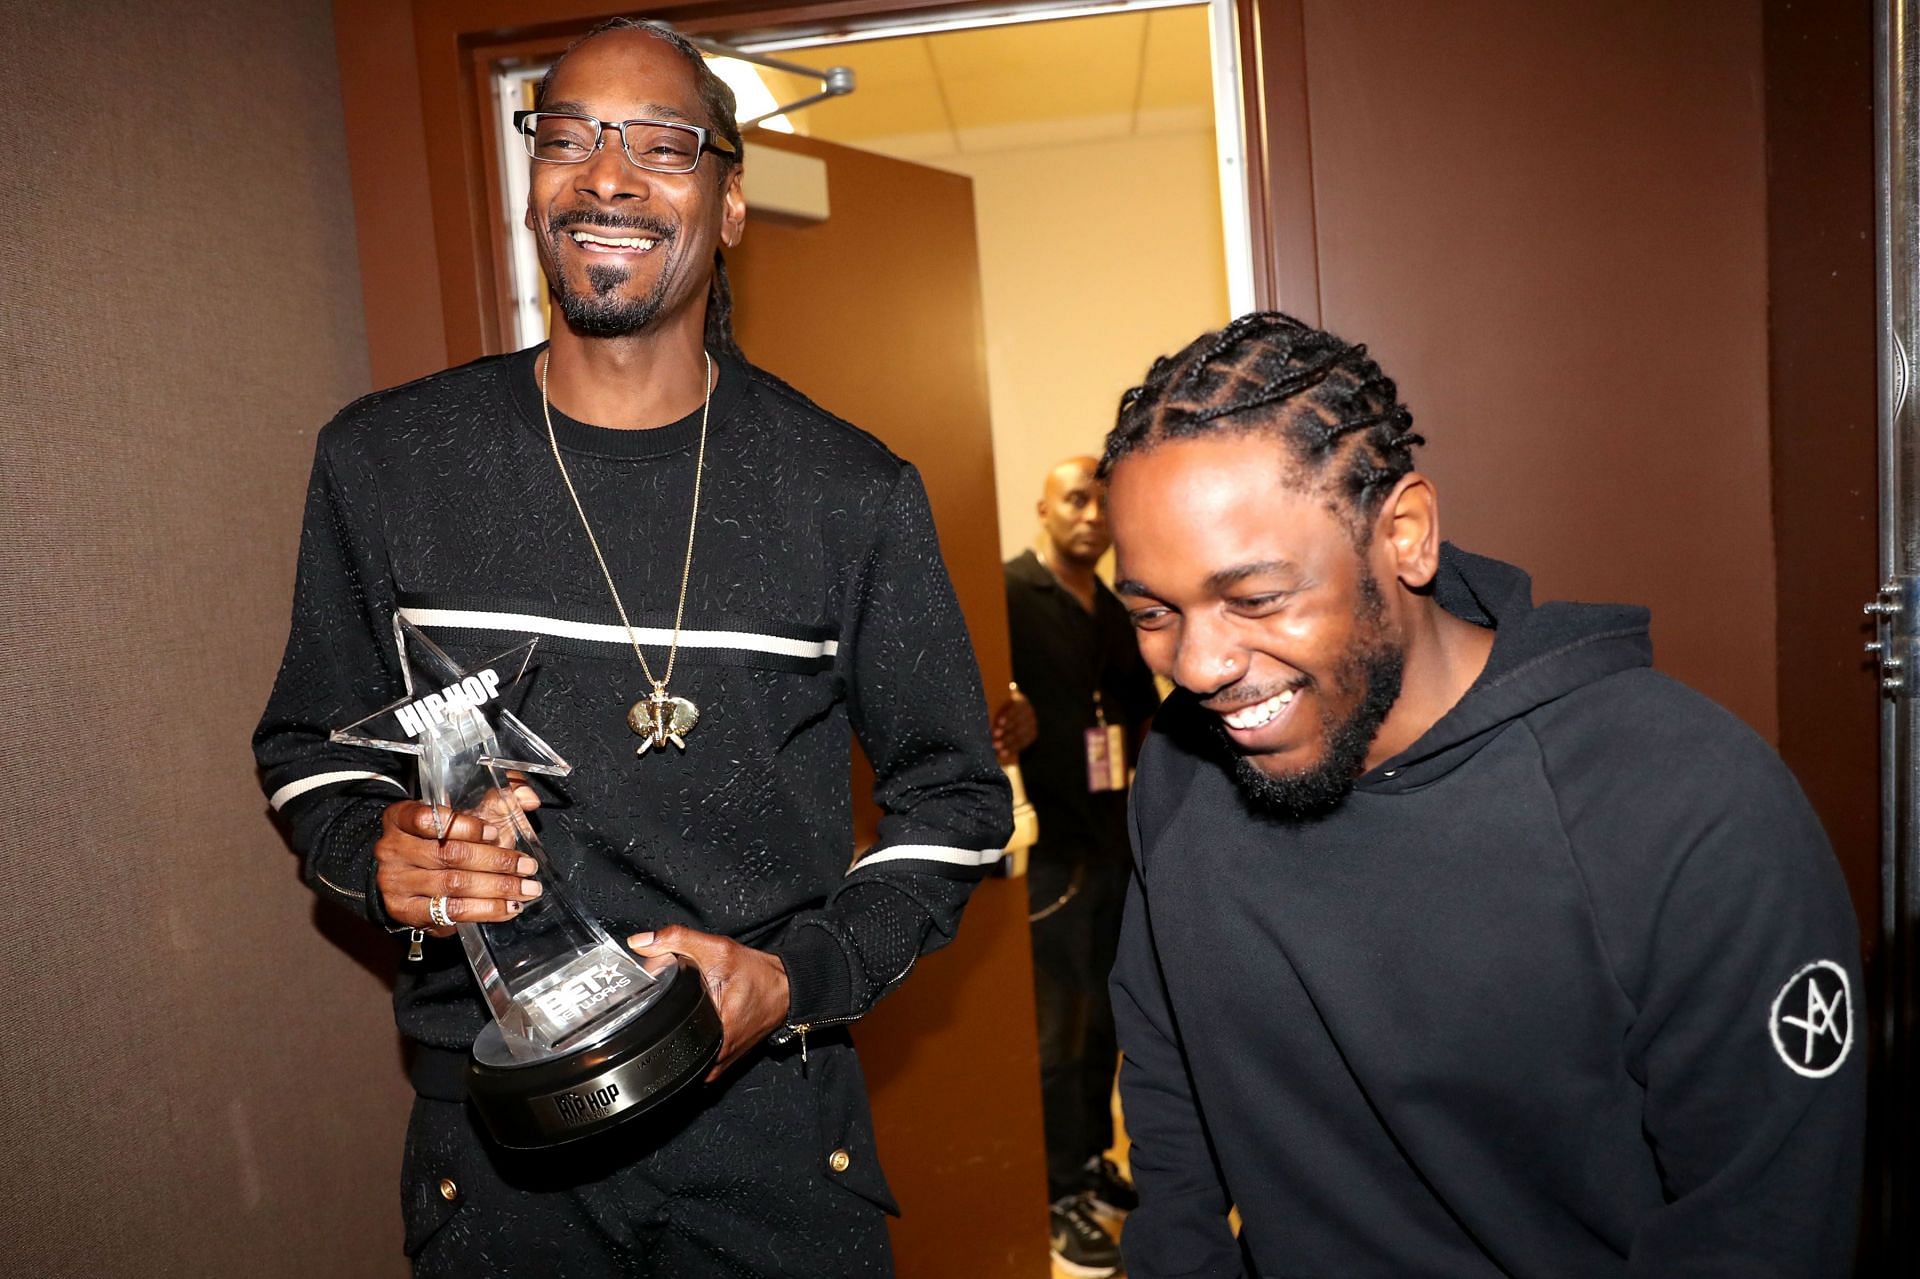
1540	653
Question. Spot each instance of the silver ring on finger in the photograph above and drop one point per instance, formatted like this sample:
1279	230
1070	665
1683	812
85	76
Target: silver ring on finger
437	912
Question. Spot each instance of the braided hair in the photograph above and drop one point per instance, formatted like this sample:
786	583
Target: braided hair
1338	414
717	100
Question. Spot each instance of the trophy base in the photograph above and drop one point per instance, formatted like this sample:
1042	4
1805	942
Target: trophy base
527	1104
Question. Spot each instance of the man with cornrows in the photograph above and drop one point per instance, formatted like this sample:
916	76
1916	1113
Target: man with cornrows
1460	942
684	532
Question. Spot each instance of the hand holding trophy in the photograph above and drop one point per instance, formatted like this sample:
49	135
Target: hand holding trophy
432	871
584	1034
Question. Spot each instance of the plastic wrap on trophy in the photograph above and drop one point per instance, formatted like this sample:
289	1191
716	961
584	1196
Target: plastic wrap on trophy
585	1034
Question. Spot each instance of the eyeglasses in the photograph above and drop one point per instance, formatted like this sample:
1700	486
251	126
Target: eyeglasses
661	146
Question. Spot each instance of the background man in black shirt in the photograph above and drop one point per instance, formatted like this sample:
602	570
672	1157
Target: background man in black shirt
1075	659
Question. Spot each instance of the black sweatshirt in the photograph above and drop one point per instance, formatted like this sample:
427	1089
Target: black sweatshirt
1063	655
818	603
1565	989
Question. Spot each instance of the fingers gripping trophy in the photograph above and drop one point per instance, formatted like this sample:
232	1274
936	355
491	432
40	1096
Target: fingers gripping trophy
584	1034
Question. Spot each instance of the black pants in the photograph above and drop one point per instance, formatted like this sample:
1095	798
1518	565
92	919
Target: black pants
1073	949
734	1182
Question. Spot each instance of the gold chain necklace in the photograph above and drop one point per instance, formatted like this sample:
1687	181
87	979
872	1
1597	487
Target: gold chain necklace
658	717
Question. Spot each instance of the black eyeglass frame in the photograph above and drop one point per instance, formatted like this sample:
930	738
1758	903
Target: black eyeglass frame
708	139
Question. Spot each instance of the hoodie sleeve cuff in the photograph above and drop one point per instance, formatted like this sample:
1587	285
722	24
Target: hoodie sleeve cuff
819	976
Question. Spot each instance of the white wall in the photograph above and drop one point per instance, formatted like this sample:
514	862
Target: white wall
1095	257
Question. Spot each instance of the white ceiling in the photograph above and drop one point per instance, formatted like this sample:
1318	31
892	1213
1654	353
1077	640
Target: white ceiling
1013	87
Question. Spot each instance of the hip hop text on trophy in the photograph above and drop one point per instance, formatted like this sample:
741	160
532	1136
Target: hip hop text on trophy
585	1034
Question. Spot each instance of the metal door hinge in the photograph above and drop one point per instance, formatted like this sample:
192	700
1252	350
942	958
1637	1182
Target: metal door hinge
1895	610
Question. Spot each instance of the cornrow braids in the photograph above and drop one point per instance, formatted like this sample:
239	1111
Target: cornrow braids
717	100
1338	414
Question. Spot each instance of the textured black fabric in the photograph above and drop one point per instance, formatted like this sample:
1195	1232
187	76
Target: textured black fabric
1510	1009
674	1195
1061	654
443	494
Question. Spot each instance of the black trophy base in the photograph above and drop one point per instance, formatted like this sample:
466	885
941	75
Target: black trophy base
531	1104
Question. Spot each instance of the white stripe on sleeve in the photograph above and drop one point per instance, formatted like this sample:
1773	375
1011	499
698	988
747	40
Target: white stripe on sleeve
931	853
295	789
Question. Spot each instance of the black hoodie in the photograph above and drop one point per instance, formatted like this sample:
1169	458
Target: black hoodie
1565	989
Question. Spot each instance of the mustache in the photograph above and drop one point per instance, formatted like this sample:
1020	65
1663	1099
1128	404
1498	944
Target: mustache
642	222
1240	699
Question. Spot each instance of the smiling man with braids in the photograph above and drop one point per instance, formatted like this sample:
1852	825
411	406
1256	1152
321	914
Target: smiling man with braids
590	491
1460	943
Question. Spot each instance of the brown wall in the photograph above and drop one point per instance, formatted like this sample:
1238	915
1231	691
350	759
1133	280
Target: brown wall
197	1082
1620	258
1820	257
1548	220
387	152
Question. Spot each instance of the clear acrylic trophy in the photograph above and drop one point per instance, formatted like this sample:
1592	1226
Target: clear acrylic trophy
585	1034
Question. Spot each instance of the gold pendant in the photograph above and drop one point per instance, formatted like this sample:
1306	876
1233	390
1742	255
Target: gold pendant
659	718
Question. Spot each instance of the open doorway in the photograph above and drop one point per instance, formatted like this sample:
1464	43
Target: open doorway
1095	155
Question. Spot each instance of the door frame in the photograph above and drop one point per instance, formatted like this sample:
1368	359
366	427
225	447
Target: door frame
1896	644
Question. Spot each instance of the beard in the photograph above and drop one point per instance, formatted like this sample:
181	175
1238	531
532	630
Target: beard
600	311
1370	674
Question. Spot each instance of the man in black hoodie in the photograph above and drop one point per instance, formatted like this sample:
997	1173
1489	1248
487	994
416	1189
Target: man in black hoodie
1460	942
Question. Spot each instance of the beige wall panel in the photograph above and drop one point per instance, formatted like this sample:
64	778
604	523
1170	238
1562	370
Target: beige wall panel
198	1082
1094	259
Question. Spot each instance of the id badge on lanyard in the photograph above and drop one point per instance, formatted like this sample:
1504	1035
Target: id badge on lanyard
1106	752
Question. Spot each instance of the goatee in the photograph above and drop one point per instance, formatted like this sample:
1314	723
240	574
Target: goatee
601	312
1373	669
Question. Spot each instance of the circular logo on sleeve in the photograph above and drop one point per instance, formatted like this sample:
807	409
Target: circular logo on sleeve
1812	1019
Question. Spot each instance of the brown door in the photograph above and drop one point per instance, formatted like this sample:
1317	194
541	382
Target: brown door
875	313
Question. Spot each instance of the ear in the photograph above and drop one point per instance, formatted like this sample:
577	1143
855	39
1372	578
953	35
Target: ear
733	214
1407	532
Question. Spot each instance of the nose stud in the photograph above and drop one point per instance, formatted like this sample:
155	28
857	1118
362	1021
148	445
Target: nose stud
1228	663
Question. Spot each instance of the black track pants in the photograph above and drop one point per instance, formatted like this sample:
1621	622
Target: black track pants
1073	950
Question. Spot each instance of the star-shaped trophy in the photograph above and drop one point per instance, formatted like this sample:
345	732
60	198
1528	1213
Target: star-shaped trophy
585	1034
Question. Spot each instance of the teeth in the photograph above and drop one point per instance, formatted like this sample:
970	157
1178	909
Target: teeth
1260	712
630	242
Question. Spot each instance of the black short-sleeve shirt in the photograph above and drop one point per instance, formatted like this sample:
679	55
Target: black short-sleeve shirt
1061	655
